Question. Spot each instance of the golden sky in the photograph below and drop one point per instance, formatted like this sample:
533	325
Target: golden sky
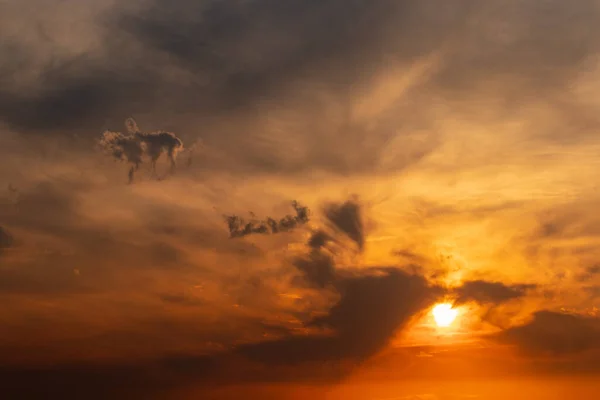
447	152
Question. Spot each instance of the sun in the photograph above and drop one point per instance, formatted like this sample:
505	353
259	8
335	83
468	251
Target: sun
444	314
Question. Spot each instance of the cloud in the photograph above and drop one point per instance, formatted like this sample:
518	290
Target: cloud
484	292
553	333
369	307
317	268
238	227
132	147
347	218
6	239
307	98
373	304
267	98
372	308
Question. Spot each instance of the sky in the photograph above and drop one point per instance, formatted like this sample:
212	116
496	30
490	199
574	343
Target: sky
266	198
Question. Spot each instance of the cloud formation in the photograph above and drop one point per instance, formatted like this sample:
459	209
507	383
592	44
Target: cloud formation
373	305
490	293
554	333
347	218
132	147
239	227
459	124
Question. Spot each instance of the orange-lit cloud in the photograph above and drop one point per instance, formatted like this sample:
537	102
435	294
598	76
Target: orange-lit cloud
447	152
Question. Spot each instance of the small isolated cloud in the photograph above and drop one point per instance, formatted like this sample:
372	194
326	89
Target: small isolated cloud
490	293
239	227
136	145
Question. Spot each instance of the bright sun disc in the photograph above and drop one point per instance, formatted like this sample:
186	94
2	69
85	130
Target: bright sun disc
444	314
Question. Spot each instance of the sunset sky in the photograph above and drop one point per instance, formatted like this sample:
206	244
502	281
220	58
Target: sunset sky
440	152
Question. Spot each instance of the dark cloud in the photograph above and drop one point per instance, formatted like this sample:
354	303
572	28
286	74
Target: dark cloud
194	63
136	145
272	87
348	219
318	240
238	227
490	293
6	239
553	333
370	311
372	308
317	268
373	304
214	68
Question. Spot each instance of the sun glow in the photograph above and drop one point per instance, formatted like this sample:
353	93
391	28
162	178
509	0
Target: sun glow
444	314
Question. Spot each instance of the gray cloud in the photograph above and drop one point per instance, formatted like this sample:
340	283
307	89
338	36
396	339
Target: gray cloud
490	293
132	147
371	307
213	58
217	69
210	68
239	227
552	333
272	87
373	304
347	218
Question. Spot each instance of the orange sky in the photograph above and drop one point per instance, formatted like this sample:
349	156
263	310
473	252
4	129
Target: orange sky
447	152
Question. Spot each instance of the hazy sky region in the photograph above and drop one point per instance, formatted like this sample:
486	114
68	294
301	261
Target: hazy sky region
265	199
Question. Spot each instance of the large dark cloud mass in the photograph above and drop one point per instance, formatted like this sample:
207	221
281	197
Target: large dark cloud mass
214	68
372	306
554	333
